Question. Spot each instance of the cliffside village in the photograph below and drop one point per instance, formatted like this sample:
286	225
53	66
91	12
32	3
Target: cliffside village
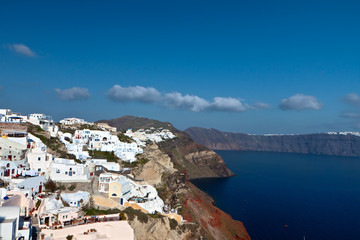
29	210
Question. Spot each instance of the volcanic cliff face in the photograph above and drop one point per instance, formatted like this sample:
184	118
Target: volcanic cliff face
328	144
170	164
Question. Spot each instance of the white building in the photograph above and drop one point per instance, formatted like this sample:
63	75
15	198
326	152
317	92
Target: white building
12	169
12	226
37	157
65	170
111	166
11	150
52	212
72	121
45	122
21	199
126	191
6	115
34	185
77	199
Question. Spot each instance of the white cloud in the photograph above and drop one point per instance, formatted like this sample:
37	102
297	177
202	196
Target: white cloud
352	98
300	102
22	49
176	100
189	102
228	104
137	93
73	94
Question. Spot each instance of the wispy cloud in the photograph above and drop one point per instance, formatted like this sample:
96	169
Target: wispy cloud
141	94
300	102
22	49
261	105
352	115
176	100
72	94
352	98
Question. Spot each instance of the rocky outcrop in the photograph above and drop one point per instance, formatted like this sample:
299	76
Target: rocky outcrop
197	160
321	143
158	165
160	228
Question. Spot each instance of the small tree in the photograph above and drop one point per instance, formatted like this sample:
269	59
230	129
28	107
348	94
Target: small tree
69	237
50	185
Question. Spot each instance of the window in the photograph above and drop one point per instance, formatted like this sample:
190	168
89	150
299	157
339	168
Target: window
39	158
65	173
39	170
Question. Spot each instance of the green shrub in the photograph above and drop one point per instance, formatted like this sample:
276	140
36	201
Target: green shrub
122	216
38	203
72	187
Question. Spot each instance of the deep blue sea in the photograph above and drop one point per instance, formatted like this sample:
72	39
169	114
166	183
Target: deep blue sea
316	196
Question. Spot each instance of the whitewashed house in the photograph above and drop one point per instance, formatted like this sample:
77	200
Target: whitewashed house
11	169
77	199
72	121
11	150
35	185
120	187
111	166
115	186
65	170
45	122
17	198
12	226
37	157
52	212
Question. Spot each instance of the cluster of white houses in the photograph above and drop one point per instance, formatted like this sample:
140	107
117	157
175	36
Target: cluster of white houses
26	164
98	140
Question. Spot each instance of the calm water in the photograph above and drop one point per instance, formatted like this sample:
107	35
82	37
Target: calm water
316	196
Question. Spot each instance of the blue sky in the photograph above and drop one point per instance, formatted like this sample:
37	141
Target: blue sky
241	66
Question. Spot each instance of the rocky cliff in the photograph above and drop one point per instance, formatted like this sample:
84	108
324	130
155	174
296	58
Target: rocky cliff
322	143
169	166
